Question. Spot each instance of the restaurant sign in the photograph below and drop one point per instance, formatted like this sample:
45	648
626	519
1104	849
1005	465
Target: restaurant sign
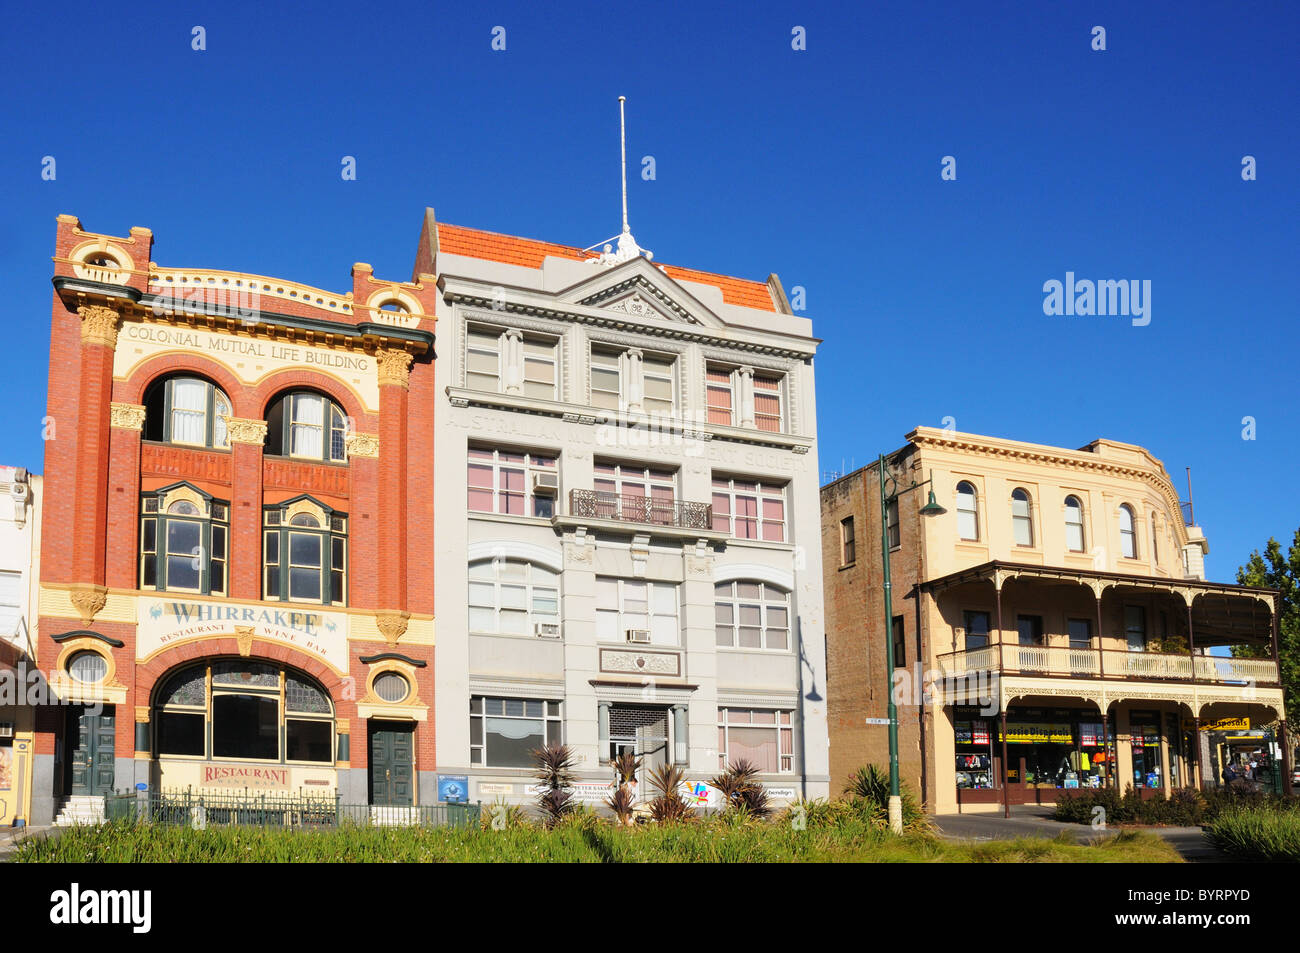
244	776
162	623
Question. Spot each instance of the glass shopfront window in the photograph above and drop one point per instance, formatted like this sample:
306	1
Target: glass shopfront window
1056	748
974	747
1144	738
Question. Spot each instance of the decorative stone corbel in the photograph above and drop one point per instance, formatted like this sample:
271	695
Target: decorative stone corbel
392	625
394	367
244	637
89	601
99	325
126	416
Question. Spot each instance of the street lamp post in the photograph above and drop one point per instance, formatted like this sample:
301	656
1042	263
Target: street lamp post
889	492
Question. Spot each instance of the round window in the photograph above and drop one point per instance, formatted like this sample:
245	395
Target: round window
88	667
392	687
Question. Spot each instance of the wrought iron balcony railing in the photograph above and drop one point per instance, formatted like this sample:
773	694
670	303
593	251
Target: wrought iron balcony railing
633	508
1111	664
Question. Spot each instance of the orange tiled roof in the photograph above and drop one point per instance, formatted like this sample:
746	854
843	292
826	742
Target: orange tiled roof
510	250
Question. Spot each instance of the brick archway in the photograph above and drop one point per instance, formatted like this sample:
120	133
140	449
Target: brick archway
337	390
149	675
132	390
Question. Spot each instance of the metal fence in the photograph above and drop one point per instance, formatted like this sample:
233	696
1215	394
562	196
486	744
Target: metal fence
251	809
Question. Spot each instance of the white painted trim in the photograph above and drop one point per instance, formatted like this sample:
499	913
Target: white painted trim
552	559
754	571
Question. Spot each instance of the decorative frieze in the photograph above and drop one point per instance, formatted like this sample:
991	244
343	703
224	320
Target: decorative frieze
362	444
245	430
623	662
126	416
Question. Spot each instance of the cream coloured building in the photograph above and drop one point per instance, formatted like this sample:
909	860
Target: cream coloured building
630	562
1053	626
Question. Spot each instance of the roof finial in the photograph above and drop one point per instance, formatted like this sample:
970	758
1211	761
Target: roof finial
627	246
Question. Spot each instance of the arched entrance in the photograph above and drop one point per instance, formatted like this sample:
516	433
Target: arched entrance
241	723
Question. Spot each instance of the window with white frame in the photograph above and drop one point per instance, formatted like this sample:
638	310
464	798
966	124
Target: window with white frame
606	379
968	521
11	591
658	383
308	425
749	509
1022	521
505	482
187	410
767	403
720	395
483	358
504	732
304	552
1073	524
1127	532
512	597
636	493
761	736
184	535
751	615
540	367
636	605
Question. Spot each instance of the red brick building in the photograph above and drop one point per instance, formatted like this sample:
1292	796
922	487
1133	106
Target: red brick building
236	589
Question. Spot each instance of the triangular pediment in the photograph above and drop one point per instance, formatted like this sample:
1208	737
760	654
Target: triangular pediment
640	290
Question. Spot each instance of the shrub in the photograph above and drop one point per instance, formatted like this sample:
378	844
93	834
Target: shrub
868	791
555	769
1268	833
741	789
668	806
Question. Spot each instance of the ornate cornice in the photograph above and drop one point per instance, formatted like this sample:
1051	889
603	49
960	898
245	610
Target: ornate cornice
362	444
126	416
245	430
394	367
99	325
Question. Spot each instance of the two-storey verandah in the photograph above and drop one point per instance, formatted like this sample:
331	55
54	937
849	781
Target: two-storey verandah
1055	678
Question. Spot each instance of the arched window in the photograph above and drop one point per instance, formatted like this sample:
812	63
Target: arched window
307	425
1022	520
513	597
968	521
186	410
304	552
247	711
1073	524
1127	532
184	535
751	615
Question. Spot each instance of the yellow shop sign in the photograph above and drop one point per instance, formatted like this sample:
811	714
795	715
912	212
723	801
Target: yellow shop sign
1227	724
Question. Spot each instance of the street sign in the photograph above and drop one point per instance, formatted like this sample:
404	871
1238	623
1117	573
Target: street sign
877	721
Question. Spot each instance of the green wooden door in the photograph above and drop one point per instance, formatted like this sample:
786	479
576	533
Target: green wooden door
90	755
392	763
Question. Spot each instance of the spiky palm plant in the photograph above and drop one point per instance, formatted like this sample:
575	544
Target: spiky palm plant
668	806
741	789
555	769
868	787
622	803
625	766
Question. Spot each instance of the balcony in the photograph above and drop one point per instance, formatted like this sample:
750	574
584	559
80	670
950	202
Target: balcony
1060	661
600	509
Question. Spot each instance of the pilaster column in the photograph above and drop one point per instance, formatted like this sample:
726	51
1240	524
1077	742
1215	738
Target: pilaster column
634	382
126	421
247	439
745	396
99	327
513	358
394	399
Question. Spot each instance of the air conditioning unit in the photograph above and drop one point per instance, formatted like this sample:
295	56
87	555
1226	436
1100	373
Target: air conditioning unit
639	635
546	630
19	492
6	729
546	483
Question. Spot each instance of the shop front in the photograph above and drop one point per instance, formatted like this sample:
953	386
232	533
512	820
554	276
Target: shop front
1047	750
243	725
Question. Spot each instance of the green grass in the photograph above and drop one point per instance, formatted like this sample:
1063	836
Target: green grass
585	840
1257	833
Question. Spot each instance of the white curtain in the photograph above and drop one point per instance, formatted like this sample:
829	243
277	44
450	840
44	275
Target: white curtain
189	411
308	426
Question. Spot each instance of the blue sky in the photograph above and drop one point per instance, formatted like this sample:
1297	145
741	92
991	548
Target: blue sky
822	165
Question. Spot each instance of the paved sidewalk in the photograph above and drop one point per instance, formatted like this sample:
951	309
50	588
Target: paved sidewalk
1035	821
10	836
